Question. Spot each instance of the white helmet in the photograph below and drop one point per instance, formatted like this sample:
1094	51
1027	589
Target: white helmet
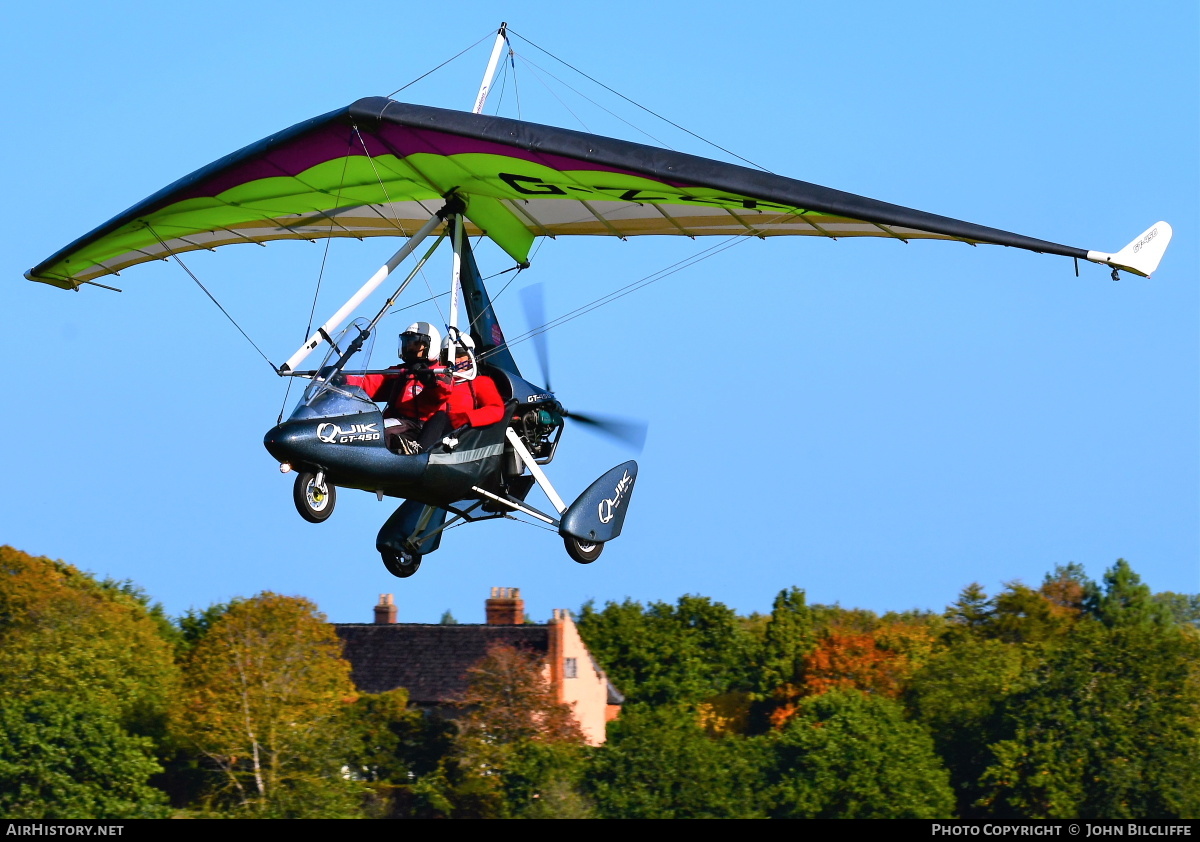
419	340
455	346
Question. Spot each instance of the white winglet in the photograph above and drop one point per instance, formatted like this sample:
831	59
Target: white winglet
1140	257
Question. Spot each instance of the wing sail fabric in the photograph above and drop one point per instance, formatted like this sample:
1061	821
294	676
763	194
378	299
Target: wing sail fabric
381	168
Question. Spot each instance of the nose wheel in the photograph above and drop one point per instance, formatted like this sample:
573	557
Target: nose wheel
314	496
402	564
582	551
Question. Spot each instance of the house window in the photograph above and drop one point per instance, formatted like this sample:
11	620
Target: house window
570	670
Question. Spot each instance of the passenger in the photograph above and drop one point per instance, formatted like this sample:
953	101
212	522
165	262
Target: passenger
474	399
414	393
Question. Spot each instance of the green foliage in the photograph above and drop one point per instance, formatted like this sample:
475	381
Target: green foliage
959	695
972	611
194	624
853	756
789	638
394	741
1108	727
659	764
1183	609
666	654
1125	600
62	758
1023	615
448	619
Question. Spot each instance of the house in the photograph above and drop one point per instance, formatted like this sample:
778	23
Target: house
431	661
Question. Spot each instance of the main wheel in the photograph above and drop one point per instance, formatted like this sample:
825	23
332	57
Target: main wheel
401	565
582	551
314	502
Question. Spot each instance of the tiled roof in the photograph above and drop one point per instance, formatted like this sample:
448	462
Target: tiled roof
430	661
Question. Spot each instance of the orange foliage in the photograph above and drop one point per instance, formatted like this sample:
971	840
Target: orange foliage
853	661
510	698
876	662
1065	596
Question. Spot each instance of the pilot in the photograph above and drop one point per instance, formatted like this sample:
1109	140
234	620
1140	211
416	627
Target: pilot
474	399
419	387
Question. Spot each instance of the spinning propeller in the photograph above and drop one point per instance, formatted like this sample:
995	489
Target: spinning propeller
628	432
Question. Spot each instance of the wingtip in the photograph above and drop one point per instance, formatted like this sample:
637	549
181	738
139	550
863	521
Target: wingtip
1142	255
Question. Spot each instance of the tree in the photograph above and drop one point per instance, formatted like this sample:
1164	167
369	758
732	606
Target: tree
62	758
265	693
960	697
667	654
850	755
1108	727
86	673
1068	587
518	752
1125	600
61	631
659	764
972	611
788	640
1023	615
1184	609
392	745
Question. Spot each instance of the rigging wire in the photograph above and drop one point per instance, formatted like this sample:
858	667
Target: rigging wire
516	88
320	273
211	298
636	104
641	283
607	111
395	218
444	294
503	78
489	34
554	94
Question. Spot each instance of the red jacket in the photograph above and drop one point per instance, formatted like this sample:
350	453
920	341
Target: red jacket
475	402
406	396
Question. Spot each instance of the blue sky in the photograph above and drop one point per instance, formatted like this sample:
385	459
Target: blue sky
877	423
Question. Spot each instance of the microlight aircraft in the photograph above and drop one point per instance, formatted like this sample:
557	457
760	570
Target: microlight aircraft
382	168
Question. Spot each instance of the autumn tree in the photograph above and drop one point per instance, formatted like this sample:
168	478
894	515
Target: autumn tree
264	701
86	672
62	631
518	752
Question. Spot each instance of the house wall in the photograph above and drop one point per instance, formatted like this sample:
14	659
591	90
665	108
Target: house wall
587	692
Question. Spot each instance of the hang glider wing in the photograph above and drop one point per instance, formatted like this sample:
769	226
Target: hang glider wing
381	168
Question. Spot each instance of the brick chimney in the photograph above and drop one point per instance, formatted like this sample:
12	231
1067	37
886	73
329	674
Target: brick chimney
505	607
385	611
